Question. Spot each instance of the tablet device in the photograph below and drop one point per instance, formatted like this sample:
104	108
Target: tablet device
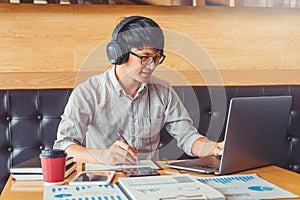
140	171
93	178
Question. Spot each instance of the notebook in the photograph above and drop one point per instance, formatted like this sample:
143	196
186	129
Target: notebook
32	169
254	136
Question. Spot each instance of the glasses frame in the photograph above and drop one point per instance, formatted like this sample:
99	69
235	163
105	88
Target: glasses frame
152	58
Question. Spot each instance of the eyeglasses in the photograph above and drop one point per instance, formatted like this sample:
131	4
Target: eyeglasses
147	60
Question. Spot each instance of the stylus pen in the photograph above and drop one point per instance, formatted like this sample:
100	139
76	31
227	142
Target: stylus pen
125	141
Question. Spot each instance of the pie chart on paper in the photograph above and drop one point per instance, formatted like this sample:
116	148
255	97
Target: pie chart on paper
260	188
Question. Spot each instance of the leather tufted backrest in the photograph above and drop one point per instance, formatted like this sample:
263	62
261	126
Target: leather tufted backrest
28	124
29	120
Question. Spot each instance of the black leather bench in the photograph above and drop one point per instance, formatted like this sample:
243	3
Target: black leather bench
29	120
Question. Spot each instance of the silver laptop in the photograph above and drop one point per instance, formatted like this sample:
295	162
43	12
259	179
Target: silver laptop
254	136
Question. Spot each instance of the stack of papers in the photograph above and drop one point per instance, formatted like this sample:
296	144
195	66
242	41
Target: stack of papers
174	187
139	188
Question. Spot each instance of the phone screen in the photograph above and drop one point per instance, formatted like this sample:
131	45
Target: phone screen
141	171
93	177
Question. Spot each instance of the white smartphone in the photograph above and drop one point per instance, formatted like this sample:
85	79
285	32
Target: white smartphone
93	178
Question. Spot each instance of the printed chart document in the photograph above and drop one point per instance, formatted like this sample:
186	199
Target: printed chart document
168	187
175	187
81	192
101	167
245	187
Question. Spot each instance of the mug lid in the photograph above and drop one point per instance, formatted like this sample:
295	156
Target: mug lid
53	153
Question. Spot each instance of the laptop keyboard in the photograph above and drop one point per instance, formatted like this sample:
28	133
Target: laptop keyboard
218	157
212	162
208	166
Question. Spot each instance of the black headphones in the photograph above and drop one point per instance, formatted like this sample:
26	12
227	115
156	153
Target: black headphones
116	52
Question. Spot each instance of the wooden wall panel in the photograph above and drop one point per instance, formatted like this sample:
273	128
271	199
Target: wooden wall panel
43	38
7	37
50	42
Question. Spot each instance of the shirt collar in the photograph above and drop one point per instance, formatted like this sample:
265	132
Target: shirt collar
114	79
117	85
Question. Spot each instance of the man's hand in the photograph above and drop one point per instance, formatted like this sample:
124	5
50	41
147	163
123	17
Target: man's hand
118	153
205	147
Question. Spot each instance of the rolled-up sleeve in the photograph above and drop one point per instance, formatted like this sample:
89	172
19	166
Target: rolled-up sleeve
179	124
75	119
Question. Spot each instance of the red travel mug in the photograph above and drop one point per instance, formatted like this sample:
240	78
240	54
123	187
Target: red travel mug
54	166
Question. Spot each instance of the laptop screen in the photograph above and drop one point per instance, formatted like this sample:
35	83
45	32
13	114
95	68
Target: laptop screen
254	135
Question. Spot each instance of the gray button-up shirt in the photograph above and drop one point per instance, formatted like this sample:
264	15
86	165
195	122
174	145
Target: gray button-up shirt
99	108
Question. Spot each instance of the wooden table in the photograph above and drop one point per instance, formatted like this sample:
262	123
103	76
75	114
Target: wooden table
33	190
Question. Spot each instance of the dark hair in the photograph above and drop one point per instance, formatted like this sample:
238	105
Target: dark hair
142	33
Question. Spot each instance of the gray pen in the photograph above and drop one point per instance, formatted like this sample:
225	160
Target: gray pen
125	141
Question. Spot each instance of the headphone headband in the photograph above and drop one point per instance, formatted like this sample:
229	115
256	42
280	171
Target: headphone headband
118	53
123	23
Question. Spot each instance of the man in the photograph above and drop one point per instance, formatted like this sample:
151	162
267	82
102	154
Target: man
119	114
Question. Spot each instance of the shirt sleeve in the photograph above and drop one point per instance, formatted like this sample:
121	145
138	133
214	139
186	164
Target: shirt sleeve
77	116
179	124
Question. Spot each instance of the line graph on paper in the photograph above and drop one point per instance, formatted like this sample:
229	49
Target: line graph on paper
249	186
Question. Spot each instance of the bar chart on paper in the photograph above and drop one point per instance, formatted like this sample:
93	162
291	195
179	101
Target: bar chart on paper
91	192
244	187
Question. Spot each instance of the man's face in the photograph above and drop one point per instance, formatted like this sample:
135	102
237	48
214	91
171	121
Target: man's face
141	63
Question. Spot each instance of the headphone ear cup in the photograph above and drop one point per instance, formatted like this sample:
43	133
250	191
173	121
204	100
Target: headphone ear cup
116	53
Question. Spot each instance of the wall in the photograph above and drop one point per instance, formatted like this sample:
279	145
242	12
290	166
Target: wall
57	46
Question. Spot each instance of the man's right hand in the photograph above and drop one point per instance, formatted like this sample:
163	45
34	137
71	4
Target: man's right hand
118	153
